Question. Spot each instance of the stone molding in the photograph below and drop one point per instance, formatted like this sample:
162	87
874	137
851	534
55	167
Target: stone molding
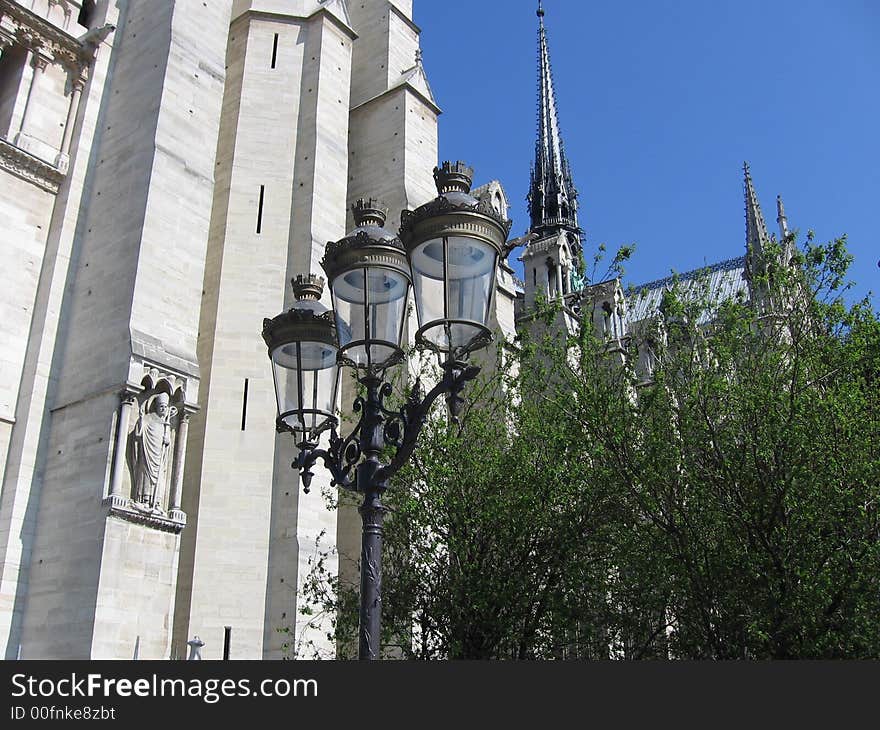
24	165
30	30
130	511
251	13
542	246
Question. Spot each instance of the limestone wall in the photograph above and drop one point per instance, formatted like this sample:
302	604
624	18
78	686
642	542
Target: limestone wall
131	296
283	144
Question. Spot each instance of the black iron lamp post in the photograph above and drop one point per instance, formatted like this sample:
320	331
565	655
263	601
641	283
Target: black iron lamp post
449	250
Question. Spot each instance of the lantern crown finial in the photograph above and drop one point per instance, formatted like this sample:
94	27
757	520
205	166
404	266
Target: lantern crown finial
453	177
369	212
307	287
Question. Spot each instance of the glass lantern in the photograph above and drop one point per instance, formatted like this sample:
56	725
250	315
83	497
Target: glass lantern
453	244
370	283
303	348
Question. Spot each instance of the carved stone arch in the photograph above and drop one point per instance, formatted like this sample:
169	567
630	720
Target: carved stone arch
165	386
565	251
498	203
178	395
66	12
150	379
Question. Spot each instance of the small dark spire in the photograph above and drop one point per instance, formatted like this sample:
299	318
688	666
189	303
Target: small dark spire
540	12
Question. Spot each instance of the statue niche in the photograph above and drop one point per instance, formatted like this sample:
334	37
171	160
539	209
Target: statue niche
150	449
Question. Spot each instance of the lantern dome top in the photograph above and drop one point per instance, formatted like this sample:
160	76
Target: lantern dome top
306	310
307	287
369	217
453	180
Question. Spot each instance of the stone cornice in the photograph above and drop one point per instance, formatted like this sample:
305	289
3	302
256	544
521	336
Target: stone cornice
408	21
129	511
284	18
408	87
543	245
24	165
29	29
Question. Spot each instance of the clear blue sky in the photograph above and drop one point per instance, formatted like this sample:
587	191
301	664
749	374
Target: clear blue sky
660	102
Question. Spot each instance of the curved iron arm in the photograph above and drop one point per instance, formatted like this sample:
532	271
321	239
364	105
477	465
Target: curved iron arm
399	429
340	459
414	413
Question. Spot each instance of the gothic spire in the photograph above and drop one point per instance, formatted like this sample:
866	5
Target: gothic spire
552	195
756	229
781	219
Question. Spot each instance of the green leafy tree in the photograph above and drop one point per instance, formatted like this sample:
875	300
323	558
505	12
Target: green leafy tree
725	507
751	471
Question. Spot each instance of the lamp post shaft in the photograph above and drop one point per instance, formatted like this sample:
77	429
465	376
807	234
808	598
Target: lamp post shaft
372	514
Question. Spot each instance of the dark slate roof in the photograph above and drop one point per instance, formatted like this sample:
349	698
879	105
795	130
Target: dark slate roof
726	280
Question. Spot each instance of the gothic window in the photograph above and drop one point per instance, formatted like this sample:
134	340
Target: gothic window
85	13
12	63
607	324
497	203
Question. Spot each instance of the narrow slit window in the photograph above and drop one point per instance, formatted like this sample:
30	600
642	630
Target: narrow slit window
260	209
244	405
274	50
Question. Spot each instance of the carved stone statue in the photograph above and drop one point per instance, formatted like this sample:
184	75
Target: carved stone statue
150	440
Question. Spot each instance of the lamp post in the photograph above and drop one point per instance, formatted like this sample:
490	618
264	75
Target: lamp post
448	251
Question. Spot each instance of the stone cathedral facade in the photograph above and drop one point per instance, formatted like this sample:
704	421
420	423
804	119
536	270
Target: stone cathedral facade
166	167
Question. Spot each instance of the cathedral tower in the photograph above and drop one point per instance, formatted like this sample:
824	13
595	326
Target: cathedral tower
325	102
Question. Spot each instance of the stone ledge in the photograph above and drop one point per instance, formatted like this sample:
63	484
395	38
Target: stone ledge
24	165
127	510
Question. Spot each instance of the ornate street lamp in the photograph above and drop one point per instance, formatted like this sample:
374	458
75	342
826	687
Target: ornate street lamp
449	250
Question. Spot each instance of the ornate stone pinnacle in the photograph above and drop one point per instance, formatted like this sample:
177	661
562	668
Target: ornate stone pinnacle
307	286
369	212
453	177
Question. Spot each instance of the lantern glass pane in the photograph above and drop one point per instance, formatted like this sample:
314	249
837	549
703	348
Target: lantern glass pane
426	262
370	305
471	277
306	377
468	267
